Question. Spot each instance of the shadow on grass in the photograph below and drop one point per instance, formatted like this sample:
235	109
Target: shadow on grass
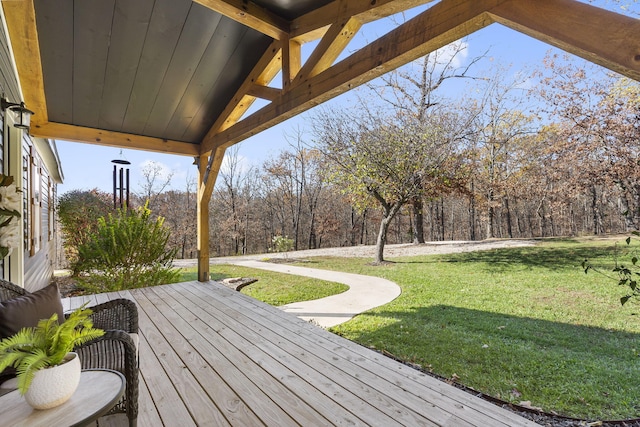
552	258
575	370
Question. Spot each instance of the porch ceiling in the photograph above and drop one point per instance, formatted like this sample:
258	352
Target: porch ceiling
176	76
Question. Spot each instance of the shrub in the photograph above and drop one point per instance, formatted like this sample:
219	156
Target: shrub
626	274
128	250
282	244
78	213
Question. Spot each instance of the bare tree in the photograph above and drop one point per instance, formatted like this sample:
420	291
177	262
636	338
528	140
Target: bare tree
155	180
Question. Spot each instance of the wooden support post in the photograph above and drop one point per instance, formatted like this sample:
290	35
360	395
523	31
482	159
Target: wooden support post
208	168
291	61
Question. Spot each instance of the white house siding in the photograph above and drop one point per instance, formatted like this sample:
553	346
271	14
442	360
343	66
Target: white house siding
37	162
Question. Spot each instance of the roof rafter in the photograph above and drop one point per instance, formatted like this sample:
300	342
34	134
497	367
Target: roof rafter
568	24
251	15
439	25
332	44
597	35
312	25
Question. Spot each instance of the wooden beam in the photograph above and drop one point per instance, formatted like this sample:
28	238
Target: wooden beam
251	15
438	26
264	92
208	169
332	44
307	26
112	139
21	24
291	61
607	38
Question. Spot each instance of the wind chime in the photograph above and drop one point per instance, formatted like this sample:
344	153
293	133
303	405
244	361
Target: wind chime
120	183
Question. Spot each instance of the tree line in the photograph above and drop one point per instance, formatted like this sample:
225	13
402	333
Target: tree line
550	152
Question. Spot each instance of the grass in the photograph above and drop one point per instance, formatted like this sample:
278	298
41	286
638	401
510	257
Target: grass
273	288
521	324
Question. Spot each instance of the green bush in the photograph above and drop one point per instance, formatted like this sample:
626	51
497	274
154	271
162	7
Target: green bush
282	244
78	213
128	250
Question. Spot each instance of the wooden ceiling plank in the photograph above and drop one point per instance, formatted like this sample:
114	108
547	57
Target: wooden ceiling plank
165	28
201	29
597	35
112	139
251	15
332	44
21	24
306	27
129	30
90	52
436	27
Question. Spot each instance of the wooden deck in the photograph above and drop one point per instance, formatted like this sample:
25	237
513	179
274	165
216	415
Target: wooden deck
213	356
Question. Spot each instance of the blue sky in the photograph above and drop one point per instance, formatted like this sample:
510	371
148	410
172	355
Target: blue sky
89	166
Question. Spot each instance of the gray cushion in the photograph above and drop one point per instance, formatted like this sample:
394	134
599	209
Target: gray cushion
25	311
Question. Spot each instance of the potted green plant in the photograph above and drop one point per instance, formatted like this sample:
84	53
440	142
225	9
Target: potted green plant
48	372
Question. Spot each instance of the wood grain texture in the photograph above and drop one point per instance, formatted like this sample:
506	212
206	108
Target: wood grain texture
21	25
213	355
597	35
251	15
97	392
112	139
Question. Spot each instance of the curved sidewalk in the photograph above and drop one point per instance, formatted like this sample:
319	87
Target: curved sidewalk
364	293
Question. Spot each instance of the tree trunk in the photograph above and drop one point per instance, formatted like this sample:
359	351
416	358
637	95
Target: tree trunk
442	219
490	216
508	212
382	239
472	213
418	220
363	228
594	210
313	243
389	213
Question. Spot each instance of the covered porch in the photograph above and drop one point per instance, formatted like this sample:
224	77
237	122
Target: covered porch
212	356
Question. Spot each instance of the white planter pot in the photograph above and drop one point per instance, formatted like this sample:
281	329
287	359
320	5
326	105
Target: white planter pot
54	385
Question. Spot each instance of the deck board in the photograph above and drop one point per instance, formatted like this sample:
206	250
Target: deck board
213	356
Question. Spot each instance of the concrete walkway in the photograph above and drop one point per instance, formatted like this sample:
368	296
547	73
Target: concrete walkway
364	293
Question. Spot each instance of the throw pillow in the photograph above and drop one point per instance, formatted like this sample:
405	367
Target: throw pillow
25	311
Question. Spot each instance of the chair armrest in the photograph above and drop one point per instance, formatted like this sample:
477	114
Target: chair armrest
119	314
117	351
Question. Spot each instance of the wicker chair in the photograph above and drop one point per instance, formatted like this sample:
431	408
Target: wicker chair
115	350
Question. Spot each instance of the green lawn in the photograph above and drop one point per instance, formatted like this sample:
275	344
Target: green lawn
273	288
522	324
